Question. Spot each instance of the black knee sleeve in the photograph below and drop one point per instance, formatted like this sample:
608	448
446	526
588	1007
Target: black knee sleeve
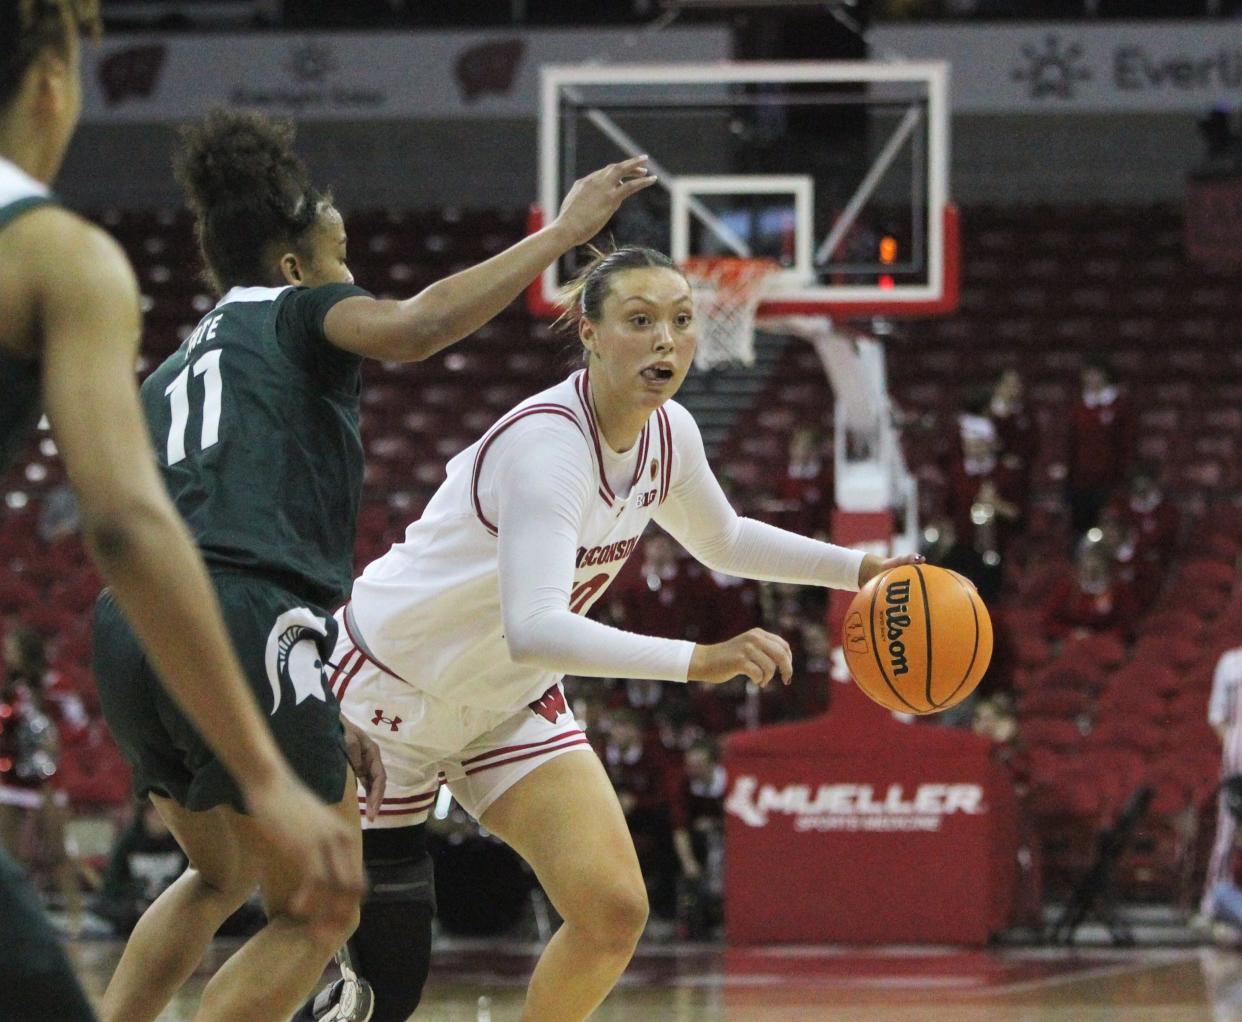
391	949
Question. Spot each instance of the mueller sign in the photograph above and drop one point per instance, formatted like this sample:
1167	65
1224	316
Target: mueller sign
853	807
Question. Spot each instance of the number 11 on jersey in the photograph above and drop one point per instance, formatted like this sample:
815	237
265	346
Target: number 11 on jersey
178	393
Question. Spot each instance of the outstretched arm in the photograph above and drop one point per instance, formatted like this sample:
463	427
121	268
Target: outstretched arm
455	307
698	515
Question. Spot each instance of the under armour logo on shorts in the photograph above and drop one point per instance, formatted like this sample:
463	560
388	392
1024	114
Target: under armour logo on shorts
379	718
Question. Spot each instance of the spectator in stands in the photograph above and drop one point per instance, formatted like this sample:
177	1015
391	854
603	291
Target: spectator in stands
812	684
665	597
589	699
1153	522
144	860
640	695
945	549
1101	446
1093	601
678	727
1119	541
663	711
994	719
982	498
805	487
647	785
732	606
59	515
1017	434
698	837
34	810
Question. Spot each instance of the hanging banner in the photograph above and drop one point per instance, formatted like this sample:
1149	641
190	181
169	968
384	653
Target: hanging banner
356	76
1072	67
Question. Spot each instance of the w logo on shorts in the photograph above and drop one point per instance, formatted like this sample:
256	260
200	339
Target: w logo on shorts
550	705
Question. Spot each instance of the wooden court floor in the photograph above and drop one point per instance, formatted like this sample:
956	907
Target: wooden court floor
484	982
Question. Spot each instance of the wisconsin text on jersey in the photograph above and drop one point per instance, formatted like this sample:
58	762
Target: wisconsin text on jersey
612	551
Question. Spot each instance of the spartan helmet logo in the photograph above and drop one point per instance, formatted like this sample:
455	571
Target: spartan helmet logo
293	656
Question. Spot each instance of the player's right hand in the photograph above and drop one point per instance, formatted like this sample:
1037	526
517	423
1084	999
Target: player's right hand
756	655
318	844
593	200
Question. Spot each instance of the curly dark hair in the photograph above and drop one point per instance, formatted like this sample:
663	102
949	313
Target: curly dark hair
28	27
249	192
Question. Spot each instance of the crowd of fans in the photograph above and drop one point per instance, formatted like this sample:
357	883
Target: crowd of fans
661	743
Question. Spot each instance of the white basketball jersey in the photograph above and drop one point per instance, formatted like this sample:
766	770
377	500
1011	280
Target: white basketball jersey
429	609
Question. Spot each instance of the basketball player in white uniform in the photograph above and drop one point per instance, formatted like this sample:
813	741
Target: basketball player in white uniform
1225	714
455	641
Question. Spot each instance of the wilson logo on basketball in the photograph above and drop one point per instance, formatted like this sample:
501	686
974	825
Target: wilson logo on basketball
896	621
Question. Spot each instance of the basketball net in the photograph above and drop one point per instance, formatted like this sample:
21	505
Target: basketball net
726	298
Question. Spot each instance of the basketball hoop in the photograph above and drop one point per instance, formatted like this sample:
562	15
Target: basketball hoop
727	292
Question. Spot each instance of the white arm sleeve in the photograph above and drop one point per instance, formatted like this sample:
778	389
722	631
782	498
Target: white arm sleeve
698	515
542	484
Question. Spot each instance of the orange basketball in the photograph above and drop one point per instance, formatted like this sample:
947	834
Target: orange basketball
917	638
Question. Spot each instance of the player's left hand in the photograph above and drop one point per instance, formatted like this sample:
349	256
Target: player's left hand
872	565
364	757
593	199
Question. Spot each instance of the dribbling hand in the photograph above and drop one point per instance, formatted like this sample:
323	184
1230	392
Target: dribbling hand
593	199
872	565
318	844
756	655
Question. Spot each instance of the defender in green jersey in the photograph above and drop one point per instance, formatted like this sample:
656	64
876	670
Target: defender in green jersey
255	424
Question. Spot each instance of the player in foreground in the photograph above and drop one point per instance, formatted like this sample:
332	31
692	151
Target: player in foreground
69	330
256	424
453	646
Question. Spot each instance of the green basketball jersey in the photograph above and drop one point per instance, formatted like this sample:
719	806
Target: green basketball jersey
19	378
255	424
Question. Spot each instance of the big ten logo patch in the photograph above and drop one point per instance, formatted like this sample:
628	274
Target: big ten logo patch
550	705
648	498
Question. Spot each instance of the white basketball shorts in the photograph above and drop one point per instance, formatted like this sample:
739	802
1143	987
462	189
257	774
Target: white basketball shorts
425	741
